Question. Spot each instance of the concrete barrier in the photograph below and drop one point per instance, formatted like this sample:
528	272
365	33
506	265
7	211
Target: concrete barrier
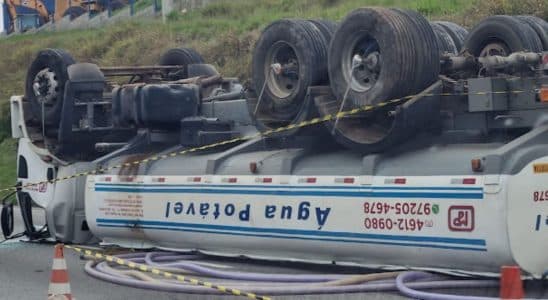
80	22
101	19
49	26
98	20
118	15
146	12
63	24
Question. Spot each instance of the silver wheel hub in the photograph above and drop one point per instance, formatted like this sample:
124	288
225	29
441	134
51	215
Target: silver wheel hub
282	72
361	63
494	48
45	86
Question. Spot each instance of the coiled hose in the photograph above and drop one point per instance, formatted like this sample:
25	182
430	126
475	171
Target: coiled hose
273	284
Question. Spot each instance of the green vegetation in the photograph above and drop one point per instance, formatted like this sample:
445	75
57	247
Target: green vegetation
8	148
224	32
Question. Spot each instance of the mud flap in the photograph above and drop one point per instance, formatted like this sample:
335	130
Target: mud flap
25	204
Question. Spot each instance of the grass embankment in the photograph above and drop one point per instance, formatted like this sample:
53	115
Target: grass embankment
224	32
8	148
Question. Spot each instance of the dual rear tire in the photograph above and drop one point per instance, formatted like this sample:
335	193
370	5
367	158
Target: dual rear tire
289	57
503	35
376	55
398	55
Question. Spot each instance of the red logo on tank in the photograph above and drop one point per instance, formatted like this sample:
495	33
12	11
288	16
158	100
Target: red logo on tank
461	218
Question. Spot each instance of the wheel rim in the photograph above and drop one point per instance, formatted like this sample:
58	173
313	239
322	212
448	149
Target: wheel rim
495	48
45	86
361	74
284	83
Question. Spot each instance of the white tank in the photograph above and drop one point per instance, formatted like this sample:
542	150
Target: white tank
465	222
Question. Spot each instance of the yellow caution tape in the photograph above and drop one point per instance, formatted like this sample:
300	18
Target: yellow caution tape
169	275
314	121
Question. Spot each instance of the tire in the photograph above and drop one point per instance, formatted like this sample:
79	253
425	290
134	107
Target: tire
501	35
410	55
6	220
410	63
457	32
55	62
302	48
426	41
326	27
539	26
180	57
74	12
445	41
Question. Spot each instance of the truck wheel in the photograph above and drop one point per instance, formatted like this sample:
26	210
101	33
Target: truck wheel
299	50
74	12
445	41
6	220
457	32
326	27
539	26
428	52
501	35
45	84
180	57
376	55
398	52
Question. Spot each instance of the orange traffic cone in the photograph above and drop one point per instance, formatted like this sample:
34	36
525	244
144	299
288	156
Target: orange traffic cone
59	286
511	286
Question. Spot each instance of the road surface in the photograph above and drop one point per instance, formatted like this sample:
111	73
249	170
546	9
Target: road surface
25	270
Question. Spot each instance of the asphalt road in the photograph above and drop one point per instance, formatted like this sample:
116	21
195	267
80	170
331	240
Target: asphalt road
25	270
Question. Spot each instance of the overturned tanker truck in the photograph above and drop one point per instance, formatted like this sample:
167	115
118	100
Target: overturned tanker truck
383	140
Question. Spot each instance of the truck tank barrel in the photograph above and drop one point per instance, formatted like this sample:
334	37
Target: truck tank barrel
451	175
